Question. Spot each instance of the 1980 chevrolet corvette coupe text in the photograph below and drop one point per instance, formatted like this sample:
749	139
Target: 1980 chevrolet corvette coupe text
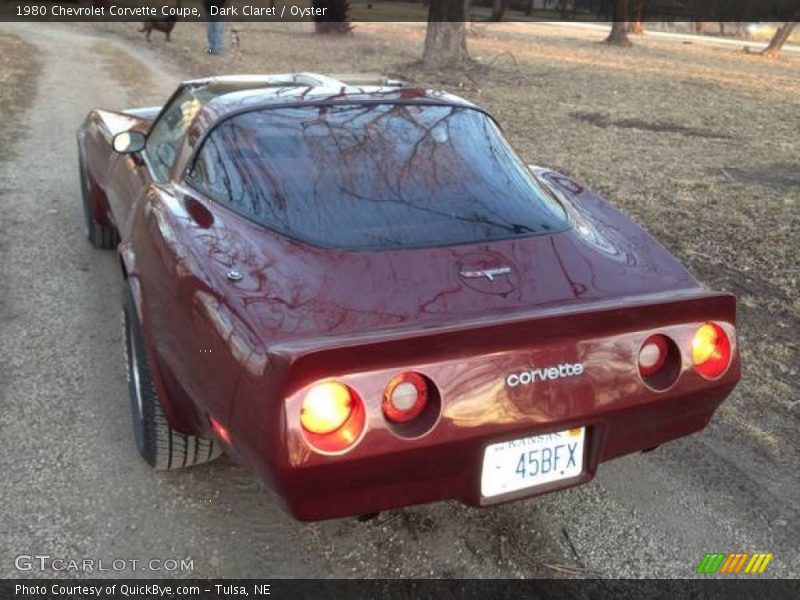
363	295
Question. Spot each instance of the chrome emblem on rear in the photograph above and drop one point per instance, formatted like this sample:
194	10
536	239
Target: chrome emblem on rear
488	273
533	374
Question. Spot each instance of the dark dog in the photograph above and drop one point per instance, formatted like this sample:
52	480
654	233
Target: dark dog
166	26
163	25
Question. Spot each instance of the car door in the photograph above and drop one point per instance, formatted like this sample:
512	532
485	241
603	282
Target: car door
128	180
179	290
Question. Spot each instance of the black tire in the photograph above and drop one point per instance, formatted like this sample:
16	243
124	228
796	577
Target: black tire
161	446
100	236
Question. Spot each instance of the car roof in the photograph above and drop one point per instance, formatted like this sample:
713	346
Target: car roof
229	95
237	93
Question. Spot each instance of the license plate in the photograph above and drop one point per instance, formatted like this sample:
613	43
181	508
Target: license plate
532	461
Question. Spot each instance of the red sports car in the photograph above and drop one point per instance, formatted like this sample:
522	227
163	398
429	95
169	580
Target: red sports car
366	297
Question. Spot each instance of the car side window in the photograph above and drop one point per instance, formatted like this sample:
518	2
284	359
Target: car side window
215	175
165	137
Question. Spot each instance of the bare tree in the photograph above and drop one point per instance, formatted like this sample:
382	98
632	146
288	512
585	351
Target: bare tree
529	7
778	40
446	34
635	26
335	18
619	25
498	10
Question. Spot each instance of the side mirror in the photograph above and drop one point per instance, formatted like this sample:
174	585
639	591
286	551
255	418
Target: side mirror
128	142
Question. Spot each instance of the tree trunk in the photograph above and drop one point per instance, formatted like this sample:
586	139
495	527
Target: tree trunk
498	10
635	26
336	18
529	7
446	34
778	40
619	26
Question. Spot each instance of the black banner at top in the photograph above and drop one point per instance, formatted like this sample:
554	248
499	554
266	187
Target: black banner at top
401	10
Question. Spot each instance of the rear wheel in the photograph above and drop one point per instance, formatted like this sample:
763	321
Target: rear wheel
99	235
160	445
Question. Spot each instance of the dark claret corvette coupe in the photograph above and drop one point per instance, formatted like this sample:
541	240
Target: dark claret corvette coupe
365	296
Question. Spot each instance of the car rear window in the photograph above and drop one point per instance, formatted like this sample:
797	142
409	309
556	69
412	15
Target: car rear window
375	176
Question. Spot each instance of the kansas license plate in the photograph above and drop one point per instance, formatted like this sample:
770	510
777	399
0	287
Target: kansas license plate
532	461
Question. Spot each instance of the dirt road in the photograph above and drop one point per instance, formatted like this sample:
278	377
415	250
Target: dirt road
73	487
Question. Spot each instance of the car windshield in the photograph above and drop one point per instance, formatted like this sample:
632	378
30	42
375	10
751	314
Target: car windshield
375	176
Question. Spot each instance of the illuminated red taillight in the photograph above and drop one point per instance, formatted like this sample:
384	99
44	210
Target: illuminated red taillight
405	397
653	355
220	430
711	350
326	407
332	416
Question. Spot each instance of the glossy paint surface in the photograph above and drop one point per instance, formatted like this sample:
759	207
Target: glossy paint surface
244	349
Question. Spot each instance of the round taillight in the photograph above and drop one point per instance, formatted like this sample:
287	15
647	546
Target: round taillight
326	407
405	397
711	350
653	355
659	362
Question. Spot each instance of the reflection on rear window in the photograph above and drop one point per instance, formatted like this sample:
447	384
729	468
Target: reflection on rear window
375	176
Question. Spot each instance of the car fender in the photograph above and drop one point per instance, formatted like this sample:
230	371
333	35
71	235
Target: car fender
98	205
97	156
179	410
603	226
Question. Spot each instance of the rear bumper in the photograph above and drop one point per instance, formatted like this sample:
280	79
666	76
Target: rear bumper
452	470
486	397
